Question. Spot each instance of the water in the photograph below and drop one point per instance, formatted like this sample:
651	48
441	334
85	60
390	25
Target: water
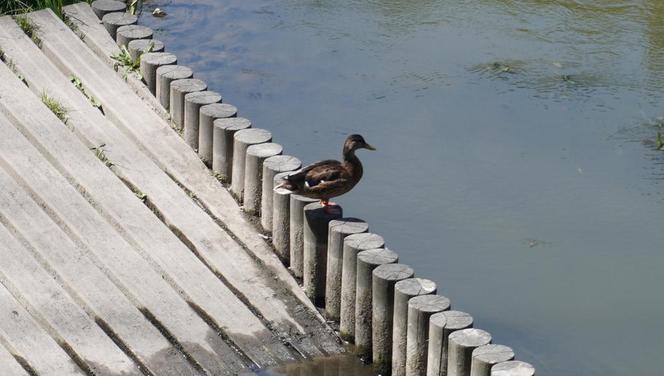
516	161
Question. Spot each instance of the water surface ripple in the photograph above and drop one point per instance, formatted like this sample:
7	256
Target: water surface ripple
516	163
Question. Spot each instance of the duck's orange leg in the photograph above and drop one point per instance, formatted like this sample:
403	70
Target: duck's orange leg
327	204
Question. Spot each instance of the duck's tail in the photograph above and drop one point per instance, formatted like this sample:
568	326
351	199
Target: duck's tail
287	184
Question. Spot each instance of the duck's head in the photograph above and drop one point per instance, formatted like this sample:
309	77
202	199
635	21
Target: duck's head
354	142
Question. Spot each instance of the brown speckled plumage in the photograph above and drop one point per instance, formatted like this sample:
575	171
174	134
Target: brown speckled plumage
330	178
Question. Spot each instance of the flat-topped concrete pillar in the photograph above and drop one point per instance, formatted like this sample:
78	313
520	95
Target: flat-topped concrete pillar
367	261
420	310
223	134
441	325
385	278
150	61
353	244
128	33
338	231
253	174
179	88
316	222
461	344
403	292
192	114
112	21
271	167
208	114
513	368
485	357
138	47
241	141
103	7
281	218
165	75
296	234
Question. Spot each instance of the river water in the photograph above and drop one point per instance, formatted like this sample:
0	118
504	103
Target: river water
516	164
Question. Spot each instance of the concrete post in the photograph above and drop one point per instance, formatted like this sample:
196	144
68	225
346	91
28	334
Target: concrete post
316	222
367	261
112	21
441	325
222	145
338	231
150	61
513	368
165	75
192	113
353	244
178	89
126	34
138	47
420	310
460	350
403	292
296	235
485	357
253	174
241	141
281	219
208	114
103	7
271	167
382	312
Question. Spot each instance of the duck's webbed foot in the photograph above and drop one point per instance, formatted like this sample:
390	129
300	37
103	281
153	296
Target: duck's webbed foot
327	205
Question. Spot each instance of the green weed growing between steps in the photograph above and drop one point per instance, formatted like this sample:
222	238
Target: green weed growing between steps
79	85
12	66
101	155
29	28
17	7
56	107
130	65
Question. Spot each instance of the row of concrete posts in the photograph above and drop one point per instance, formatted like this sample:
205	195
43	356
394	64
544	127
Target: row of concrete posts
395	320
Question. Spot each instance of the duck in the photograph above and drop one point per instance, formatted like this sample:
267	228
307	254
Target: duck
329	178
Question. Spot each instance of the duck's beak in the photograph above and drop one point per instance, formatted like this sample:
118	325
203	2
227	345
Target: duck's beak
367	146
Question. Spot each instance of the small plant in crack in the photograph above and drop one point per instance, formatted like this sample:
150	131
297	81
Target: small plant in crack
100	153
73	25
141	196
79	85
57	108
29	28
124	59
219	176
133	6
12	66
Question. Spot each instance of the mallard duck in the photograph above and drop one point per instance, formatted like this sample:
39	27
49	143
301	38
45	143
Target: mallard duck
326	179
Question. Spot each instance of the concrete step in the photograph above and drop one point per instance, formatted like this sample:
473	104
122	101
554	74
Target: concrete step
26	340
248	264
187	172
52	306
80	276
89	26
197	284
9	366
76	211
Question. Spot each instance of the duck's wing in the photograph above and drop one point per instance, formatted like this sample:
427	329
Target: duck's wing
312	169
325	176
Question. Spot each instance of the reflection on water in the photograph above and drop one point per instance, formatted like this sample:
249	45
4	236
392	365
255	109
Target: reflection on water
517	163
